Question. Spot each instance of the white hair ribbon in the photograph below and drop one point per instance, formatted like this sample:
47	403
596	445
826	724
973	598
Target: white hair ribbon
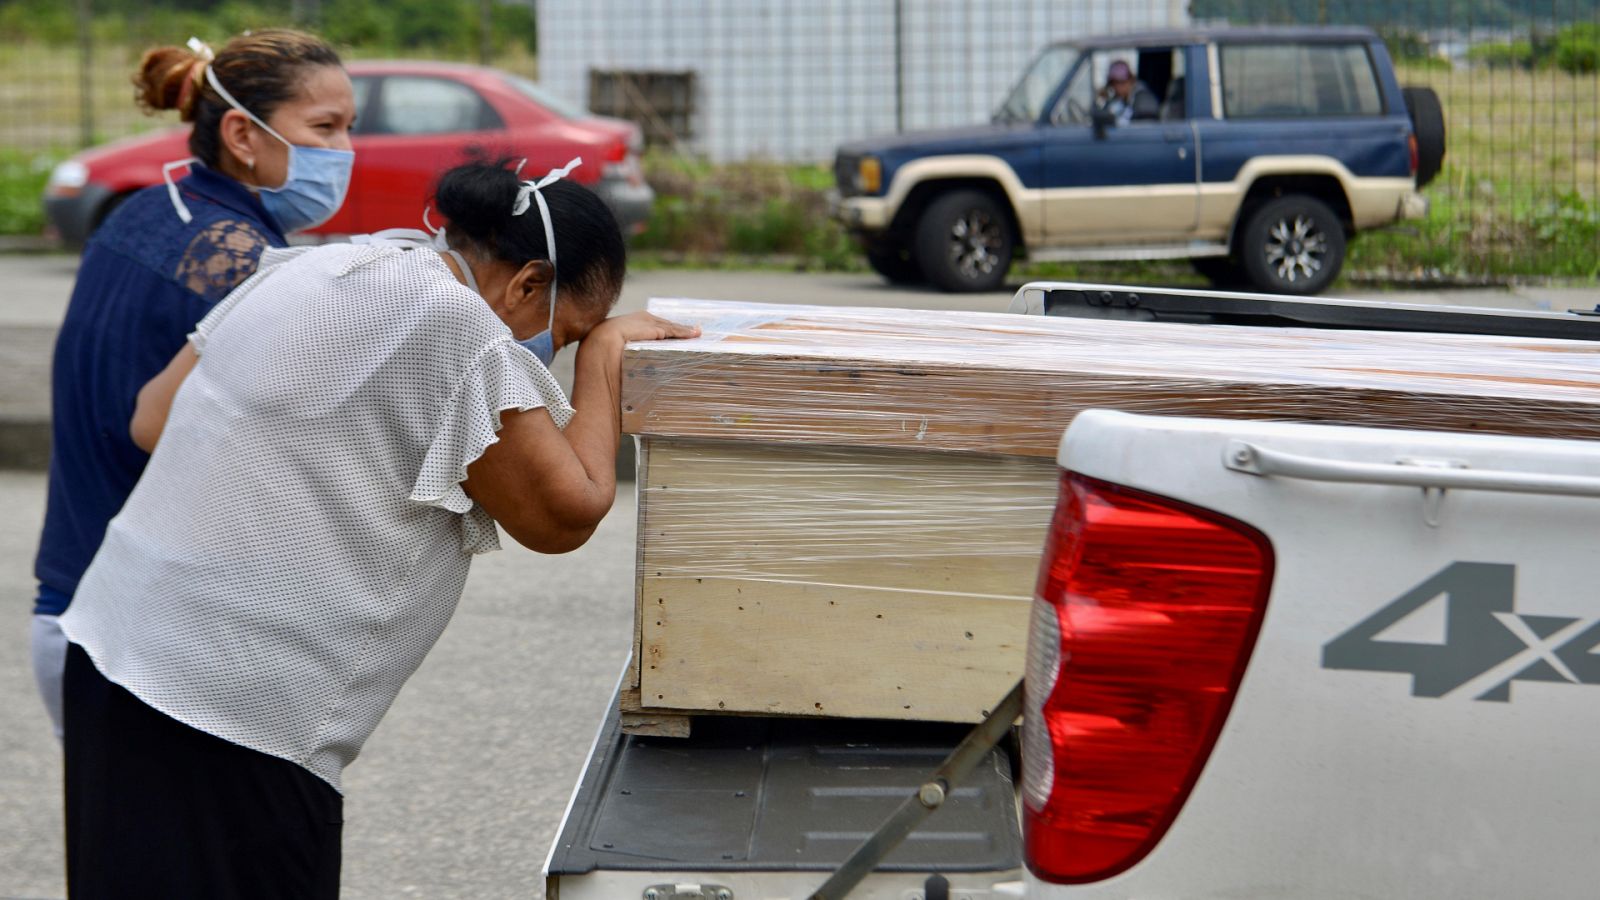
532	187
521	206
201	49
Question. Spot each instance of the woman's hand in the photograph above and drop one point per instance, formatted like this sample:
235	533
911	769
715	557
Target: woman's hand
642	326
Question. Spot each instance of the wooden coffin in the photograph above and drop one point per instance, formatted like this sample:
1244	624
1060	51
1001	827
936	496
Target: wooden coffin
841	510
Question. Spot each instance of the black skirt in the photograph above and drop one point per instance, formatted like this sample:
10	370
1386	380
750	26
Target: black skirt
158	809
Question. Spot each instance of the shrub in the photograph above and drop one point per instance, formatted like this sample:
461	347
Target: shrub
22	178
1577	49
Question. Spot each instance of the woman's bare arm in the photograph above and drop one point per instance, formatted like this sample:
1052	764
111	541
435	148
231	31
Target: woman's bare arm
549	488
155	399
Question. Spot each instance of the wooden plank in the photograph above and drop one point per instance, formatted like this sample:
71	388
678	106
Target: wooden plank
634	719
738	646
983	383
800	581
630	680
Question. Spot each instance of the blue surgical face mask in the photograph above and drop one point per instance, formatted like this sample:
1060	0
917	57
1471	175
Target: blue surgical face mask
317	181
543	345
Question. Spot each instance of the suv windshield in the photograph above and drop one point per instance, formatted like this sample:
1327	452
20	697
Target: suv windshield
1027	100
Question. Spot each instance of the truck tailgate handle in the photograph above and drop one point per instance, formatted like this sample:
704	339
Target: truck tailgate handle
1252	459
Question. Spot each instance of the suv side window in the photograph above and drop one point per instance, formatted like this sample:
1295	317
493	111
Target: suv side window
1158	72
1275	81
412	105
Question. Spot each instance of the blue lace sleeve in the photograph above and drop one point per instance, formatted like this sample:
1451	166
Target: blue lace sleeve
220	256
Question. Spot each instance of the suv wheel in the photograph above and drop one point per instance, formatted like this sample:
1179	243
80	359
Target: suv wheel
964	242
894	264
1292	245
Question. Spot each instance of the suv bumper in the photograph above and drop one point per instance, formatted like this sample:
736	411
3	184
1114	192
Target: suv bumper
861	213
1412	206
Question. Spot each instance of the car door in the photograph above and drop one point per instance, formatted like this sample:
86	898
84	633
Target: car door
1135	183
421	125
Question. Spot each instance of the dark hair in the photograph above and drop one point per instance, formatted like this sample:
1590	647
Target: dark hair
261	69
477	198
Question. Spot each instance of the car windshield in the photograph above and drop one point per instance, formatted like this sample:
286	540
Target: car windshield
1027	100
544	98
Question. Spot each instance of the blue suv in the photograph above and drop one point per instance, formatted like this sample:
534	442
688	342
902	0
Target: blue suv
1257	153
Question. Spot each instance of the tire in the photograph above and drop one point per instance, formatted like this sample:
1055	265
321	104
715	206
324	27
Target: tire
964	242
1222	271
1291	245
1427	123
894	264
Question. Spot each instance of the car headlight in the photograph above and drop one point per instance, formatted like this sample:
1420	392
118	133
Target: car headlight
68	178
869	175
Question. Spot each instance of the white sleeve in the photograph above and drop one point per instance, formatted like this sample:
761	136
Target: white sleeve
503	376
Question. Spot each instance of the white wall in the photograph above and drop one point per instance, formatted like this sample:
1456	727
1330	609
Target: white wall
791	79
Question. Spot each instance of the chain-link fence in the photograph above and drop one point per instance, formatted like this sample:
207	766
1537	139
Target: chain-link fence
787	80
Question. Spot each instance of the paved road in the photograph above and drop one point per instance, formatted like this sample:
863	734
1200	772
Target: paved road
460	790
34	291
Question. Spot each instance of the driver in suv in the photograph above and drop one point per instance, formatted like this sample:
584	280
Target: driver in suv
1126	97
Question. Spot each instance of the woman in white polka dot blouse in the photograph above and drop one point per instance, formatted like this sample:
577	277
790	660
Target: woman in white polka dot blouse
337	439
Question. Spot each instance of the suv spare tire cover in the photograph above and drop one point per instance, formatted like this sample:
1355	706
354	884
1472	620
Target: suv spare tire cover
1427	121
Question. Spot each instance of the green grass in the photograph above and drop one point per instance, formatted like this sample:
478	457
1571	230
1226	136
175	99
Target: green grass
1478	227
23	174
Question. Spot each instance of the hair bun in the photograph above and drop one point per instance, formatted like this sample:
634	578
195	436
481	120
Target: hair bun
477	197
169	78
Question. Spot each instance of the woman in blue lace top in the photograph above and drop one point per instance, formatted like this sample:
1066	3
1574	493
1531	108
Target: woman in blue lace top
270	154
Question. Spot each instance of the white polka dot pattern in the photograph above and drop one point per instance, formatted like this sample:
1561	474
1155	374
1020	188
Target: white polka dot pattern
300	537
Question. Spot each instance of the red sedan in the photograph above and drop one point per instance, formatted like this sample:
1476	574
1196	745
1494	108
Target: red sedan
414	120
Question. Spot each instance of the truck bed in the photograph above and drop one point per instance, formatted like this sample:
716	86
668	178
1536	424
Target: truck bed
766	808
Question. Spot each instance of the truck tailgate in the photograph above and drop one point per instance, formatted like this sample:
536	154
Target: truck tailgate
1418	713
769	807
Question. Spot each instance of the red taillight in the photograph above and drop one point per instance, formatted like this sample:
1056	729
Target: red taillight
622	161
1145	615
1413	146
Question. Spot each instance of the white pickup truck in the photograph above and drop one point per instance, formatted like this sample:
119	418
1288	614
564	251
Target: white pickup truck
1266	660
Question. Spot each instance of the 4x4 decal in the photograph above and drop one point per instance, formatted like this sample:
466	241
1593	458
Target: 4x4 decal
1487	645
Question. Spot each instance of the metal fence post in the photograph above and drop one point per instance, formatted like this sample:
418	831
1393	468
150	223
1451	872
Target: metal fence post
485	42
85	76
899	67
